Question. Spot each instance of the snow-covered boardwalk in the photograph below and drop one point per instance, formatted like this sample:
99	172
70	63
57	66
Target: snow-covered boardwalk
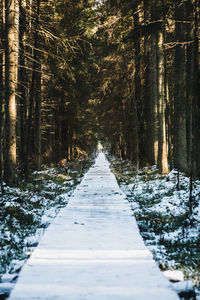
93	250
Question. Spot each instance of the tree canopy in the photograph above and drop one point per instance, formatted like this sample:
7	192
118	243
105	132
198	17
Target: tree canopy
122	72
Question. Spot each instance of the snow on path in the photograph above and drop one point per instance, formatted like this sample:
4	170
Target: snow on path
93	250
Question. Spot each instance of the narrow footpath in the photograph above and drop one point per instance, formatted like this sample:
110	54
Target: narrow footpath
93	250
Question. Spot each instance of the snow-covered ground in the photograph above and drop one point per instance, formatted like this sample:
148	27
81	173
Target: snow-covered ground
26	211
93	249
170	231
168	221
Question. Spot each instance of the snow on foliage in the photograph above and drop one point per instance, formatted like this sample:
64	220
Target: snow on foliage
26	211
162	208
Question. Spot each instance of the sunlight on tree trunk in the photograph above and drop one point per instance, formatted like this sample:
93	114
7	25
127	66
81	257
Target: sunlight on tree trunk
10	91
162	144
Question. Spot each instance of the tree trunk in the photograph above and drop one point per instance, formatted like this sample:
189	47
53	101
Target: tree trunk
149	102
38	142
180	144
1	91
33	146
196	98
162	142
137	92
169	118
11	63
22	82
133	130
153	96
189	83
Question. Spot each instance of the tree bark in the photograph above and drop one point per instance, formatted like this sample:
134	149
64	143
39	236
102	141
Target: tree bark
190	79
180	144
1	91
38	142
153	97
162	142
196	96
11	63
33	144
149	102
137	91
22	82
133	130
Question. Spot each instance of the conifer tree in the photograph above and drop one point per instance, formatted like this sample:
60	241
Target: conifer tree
10	89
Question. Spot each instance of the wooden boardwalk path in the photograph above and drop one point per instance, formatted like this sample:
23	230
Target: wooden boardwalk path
93	250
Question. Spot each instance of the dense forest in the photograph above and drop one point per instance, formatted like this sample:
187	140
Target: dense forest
73	72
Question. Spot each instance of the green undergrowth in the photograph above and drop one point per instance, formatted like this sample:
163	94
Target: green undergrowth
29	208
163	216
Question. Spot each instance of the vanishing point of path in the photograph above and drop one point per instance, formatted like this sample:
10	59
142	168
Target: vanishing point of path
93	250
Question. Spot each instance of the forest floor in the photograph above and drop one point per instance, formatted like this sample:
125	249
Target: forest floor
27	210
168	225
93	249
162	211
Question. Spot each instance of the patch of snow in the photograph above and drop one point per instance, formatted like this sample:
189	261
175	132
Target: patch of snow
5	288
64	196
174	275
7	277
16	266
134	205
183	286
169	205
31	241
